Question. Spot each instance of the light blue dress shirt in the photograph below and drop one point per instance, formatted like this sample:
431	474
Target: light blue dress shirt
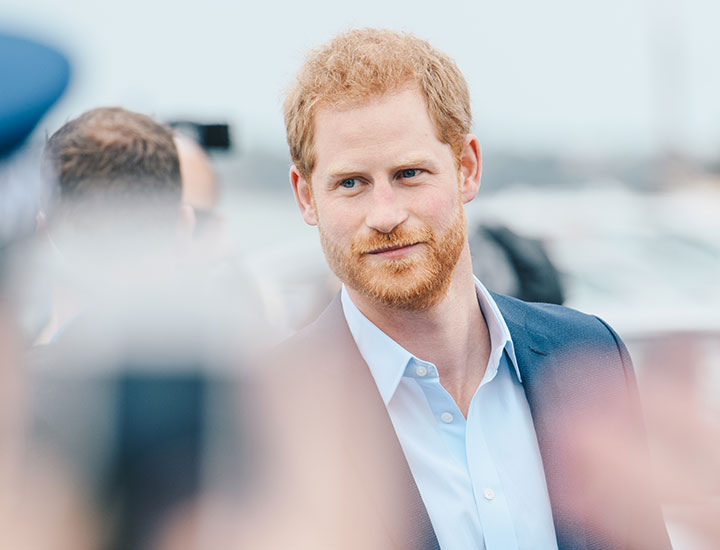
481	478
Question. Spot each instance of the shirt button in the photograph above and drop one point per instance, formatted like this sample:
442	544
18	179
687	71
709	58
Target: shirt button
421	371
489	493
446	417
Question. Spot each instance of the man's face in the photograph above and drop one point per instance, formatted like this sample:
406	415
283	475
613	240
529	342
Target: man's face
387	198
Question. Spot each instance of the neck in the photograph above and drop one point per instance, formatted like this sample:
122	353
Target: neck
451	334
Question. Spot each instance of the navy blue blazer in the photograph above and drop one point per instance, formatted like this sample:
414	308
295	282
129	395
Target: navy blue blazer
573	366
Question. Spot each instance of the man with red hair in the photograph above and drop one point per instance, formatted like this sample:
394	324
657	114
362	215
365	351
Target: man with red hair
457	405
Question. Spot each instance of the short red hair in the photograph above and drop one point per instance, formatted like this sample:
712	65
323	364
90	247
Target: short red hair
361	64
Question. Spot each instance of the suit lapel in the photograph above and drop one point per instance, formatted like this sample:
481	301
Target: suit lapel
371	442
538	369
570	379
544	392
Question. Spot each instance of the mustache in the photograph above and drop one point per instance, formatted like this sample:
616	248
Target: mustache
397	238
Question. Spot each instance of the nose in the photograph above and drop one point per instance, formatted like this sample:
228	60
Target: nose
386	210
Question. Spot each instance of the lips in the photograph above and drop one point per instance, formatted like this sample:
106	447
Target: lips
391	248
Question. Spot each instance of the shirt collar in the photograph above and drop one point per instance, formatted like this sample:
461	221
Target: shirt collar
500	339
388	360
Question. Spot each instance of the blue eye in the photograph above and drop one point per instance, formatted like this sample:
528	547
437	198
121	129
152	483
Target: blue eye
409	172
348	183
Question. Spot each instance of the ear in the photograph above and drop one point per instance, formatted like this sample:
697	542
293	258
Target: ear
303	196
470	168
185	225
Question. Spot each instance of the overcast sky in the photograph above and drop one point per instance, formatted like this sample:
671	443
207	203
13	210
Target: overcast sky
561	76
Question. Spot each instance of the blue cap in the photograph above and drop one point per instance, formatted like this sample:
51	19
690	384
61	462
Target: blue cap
32	78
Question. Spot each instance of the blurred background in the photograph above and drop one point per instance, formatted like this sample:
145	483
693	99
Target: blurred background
599	121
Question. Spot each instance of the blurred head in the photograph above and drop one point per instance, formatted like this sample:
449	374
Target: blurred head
361	64
119	170
113	150
199	184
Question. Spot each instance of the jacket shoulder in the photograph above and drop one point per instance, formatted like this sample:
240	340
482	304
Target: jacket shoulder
557	324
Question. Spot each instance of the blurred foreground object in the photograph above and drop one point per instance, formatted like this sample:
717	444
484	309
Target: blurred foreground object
143	431
684	438
138	395
135	392
32	78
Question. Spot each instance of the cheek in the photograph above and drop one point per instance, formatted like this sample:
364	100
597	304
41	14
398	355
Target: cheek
438	208
338	224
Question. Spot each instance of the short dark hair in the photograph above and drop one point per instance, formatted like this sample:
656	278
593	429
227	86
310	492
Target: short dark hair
111	151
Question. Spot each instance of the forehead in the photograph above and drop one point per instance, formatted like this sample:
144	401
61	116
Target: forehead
384	126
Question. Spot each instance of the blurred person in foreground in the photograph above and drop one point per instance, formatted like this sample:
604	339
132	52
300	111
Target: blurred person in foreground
123	225
421	410
140	330
118	218
33	493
